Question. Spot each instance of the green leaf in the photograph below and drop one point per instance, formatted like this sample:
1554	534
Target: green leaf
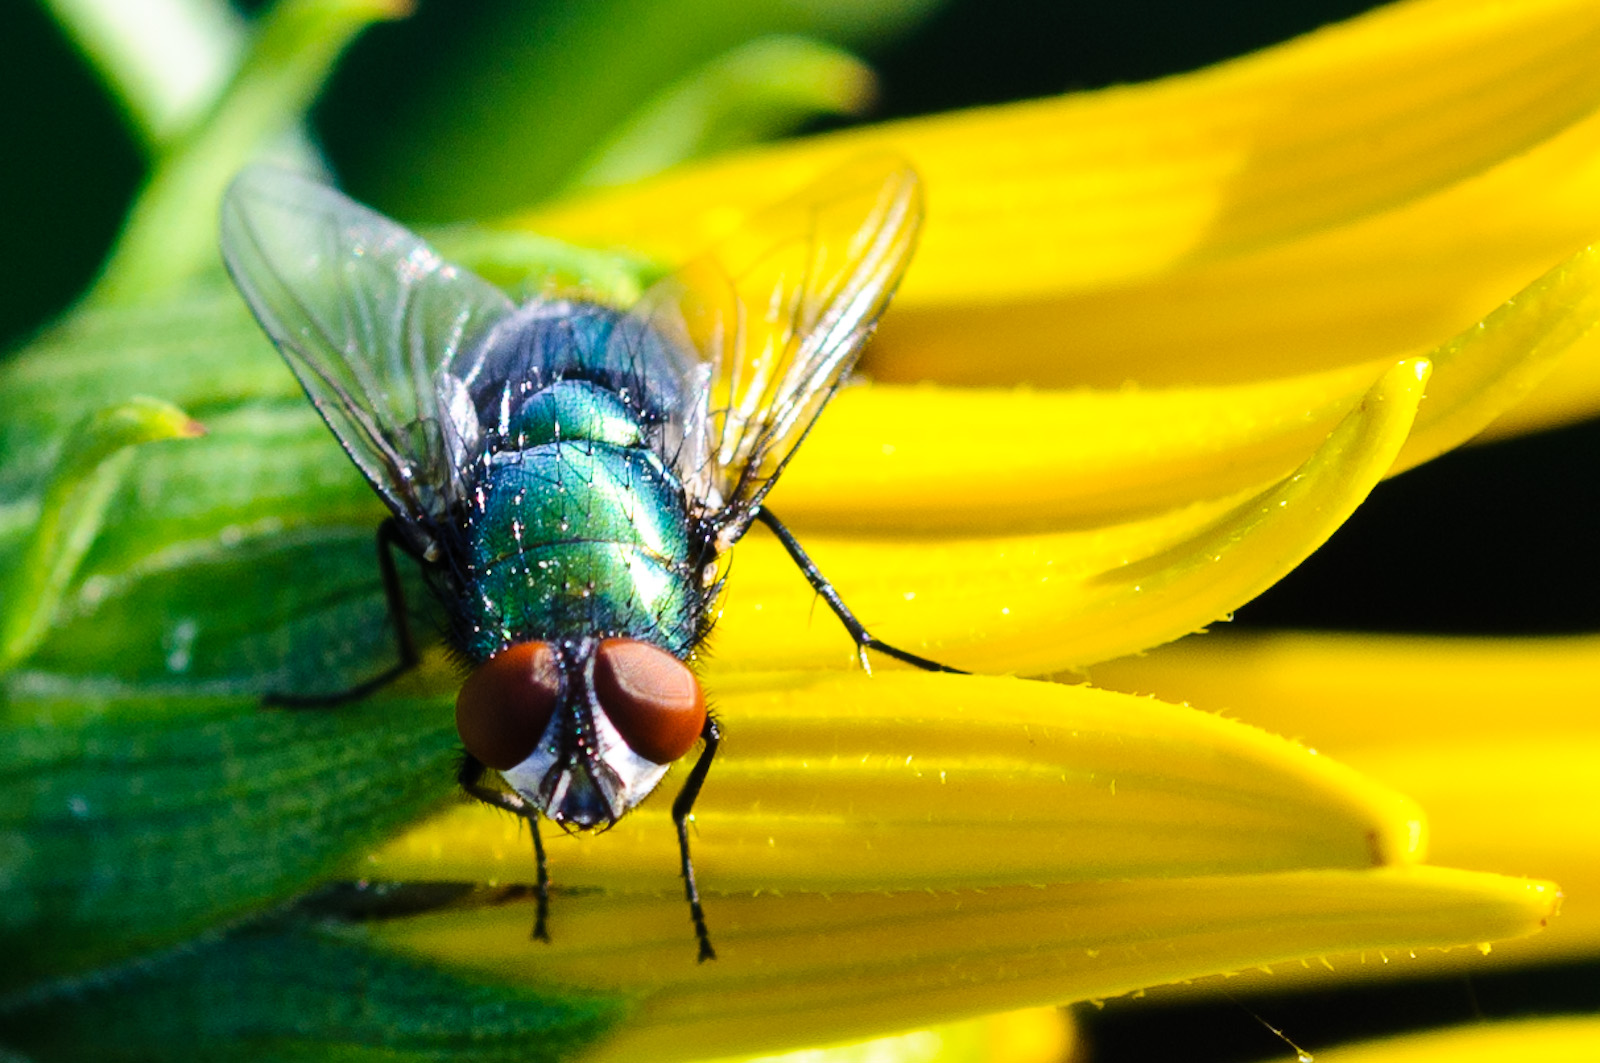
85	479
758	91
245	560
146	794
200	350
133	817
296	989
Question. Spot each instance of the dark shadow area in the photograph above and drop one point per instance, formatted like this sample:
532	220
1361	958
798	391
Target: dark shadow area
1219	1028
70	171
977	53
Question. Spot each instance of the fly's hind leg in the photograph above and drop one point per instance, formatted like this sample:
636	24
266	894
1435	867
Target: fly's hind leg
863	638
470	776
389	538
682	808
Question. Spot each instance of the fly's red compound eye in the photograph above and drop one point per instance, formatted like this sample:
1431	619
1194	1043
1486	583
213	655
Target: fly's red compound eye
505	705
651	697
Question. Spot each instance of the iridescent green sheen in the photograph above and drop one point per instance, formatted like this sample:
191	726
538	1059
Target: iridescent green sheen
575	409
580	538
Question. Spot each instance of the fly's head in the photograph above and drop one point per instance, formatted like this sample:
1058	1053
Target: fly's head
583	728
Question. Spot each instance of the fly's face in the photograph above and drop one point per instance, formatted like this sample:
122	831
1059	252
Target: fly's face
582	729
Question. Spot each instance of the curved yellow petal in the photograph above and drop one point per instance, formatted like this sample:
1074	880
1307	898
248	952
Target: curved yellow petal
1477	376
1082	190
1497	738
1031	1035
1041	603
1349	691
1391	283
1576	1037
926	459
1570	393
929	459
908	780
797	968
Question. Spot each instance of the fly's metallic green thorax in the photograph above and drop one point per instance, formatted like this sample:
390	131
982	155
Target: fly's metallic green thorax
576	409
575	526
579	538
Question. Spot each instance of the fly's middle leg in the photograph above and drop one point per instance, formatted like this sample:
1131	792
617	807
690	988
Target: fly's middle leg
864	639
389	539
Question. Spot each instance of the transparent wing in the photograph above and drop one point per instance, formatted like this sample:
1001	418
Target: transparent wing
370	319
772	320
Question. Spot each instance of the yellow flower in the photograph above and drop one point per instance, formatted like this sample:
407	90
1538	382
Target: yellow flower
1255	246
1493	737
1158	344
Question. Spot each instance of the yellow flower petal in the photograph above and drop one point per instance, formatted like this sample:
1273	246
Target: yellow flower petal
1493	1042
1570	393
1543	321
1496	738
1380	286
1084	189
1032	1035
887	458
802	967
939	459
908	780
1042	603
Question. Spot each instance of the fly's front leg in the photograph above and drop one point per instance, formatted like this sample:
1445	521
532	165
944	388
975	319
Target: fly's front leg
389	538
470	776
681	810
863	638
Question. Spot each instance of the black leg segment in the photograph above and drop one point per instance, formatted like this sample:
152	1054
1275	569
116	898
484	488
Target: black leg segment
863	638
389	538
681	809
470	776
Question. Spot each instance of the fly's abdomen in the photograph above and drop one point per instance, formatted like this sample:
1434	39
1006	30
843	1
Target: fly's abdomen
578	537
